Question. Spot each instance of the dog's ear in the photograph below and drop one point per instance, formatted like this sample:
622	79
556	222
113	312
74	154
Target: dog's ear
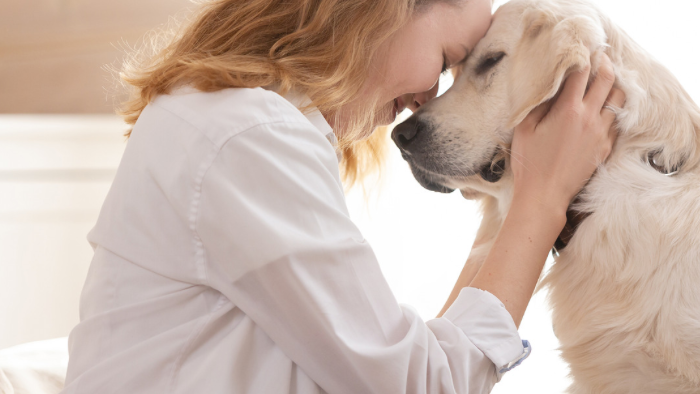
549	50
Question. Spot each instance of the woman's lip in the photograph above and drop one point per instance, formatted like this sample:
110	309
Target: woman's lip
400	106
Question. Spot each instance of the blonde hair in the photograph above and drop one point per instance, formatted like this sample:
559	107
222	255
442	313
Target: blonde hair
321	48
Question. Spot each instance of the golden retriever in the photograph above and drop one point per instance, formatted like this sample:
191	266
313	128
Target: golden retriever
625	286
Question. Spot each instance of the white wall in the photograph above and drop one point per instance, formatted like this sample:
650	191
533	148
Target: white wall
55	171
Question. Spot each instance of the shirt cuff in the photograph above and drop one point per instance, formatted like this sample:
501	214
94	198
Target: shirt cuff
485	321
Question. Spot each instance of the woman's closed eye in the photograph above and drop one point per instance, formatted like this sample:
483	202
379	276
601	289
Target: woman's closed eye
489	62
444	65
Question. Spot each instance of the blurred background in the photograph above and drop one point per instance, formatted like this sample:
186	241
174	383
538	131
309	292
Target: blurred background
60	144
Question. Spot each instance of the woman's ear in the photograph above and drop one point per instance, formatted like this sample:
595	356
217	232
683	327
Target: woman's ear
549	50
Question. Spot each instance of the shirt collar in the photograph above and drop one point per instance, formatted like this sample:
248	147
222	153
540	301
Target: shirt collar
315	118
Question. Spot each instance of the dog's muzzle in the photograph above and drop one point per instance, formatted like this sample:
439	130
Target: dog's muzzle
407	134
408	137
412	138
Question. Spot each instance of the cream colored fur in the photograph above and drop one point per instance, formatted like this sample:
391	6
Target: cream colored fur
625	292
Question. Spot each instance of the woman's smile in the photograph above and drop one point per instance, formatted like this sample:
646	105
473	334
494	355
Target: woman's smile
399	106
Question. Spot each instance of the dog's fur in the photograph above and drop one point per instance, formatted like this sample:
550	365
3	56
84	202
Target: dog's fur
625	292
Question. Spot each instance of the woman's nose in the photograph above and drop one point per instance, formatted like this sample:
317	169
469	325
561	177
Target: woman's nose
423	97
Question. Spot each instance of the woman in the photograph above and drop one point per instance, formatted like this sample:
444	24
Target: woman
225	260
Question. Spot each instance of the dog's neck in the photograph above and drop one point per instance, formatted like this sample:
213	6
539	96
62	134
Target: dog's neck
573	220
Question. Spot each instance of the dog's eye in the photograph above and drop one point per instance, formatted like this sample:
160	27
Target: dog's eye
489	62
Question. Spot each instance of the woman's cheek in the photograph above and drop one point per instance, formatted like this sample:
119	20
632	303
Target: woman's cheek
427	82
422	80
429	73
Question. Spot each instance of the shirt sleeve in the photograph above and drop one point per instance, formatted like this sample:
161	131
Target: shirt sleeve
278	242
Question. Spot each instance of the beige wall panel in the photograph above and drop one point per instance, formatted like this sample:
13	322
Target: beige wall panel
53	53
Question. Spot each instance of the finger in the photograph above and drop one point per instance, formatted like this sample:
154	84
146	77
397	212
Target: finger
615	101
603	83
612	137
535	116
575	86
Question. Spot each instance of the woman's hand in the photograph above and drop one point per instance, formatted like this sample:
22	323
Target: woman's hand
555	153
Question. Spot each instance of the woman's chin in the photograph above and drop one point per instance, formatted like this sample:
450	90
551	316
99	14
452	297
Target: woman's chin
387	116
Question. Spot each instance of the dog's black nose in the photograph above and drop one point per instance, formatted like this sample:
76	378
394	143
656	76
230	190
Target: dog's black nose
406	133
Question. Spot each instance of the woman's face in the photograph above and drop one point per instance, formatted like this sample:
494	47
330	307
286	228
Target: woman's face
405	72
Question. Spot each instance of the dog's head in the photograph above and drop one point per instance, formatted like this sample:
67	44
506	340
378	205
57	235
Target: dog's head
460	140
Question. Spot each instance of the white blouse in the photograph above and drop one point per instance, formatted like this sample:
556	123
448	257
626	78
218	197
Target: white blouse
226	262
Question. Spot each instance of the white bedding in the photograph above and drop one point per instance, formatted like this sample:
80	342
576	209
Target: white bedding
34	367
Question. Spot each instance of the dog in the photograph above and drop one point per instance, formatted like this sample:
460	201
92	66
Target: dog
625	285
